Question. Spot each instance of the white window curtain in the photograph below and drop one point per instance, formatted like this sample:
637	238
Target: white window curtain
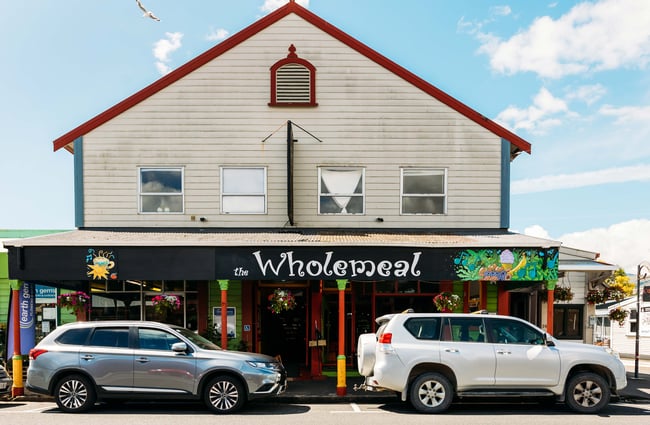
338	183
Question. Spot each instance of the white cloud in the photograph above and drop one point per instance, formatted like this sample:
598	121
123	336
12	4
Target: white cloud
625	244
164	47
588	94
217	35
627	114
501	10
271	5
538	117
590	178
607	34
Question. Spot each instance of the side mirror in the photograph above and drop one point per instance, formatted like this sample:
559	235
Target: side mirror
179	347
547	341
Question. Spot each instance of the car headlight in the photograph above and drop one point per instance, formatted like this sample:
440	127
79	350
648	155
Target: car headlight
264	365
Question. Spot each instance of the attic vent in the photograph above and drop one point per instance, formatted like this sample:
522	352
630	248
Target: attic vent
292	84
293	81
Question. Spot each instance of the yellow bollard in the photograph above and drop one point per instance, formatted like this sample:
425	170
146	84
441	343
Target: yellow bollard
341	387
17	389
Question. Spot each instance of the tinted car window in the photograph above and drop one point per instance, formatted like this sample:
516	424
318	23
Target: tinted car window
155	339
424	328
463	329
505	331
74	336
110	337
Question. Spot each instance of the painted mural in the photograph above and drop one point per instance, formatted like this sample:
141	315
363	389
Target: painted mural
507	264
100	263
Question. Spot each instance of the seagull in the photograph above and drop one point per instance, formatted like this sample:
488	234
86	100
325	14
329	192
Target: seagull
146	12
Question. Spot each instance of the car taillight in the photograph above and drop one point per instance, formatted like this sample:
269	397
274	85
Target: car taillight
35	352
385	338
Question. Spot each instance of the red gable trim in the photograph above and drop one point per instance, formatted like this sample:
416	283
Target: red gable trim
262	24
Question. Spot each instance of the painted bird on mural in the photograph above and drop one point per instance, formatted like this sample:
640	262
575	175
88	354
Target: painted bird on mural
147	13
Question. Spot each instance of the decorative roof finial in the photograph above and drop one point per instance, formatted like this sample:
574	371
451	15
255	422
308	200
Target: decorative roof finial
292	52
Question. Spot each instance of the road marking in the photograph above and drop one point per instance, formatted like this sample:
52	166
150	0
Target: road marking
355	409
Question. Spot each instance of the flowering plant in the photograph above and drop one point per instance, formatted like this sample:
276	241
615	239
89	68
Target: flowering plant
561	293
76	301
281	300
595	296
446	301
619	315
163	303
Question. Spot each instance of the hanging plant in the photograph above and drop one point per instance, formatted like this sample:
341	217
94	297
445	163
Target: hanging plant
561	293
164	303
446	302
595	296
78	302
619	315
281	300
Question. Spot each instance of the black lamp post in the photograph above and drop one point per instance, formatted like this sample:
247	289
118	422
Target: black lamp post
643	265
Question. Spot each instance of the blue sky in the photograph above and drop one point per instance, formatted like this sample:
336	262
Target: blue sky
571	77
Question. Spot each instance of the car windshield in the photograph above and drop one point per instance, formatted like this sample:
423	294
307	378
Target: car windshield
197	339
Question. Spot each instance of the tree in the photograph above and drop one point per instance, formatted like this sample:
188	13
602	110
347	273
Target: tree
620	285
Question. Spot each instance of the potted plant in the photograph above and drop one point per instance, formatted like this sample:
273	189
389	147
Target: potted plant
164	303
77	302
561	293
281	300
619	315
446	302
596	296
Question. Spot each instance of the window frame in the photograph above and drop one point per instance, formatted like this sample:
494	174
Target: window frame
443	195
223	194
332	195
142	194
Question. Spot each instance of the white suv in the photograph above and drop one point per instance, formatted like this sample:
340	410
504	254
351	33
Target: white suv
429	358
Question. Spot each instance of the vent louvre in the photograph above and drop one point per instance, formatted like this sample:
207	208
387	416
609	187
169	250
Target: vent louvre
293	84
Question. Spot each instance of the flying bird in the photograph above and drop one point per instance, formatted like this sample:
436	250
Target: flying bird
146	13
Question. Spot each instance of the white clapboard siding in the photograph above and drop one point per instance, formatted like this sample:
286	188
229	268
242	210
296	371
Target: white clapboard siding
219	115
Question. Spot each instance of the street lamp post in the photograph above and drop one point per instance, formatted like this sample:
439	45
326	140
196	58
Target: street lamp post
643	265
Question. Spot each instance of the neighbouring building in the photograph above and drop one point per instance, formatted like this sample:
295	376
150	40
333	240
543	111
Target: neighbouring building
292	158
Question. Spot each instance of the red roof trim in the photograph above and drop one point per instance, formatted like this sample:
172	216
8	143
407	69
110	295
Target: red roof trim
260	25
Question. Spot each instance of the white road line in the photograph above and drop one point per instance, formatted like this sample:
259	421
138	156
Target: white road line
355	409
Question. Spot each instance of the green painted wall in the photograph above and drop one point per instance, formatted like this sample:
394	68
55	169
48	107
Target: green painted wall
234	300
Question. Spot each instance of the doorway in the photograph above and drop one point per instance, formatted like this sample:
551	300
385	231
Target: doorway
283	334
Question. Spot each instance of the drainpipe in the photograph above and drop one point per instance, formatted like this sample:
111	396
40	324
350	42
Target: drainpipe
341	387
223	284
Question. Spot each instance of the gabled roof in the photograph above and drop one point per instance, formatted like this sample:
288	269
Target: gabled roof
66	140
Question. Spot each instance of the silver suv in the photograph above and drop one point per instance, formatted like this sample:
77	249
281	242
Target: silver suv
84	362
430	358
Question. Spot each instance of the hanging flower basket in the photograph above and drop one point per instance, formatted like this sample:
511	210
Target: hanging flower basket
78	302
561	293
596	296
446	302
281	300
163	303
619	315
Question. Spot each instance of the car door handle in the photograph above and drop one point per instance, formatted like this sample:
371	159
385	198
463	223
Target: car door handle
142	360
87	357
451	350
504	352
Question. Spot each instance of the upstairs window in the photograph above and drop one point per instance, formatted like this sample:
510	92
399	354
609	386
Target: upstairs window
424	191
243	190
341	190
161	190
293	81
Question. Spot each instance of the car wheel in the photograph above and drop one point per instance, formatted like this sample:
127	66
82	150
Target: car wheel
74	394
224	394
431	393
587	393
366	353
